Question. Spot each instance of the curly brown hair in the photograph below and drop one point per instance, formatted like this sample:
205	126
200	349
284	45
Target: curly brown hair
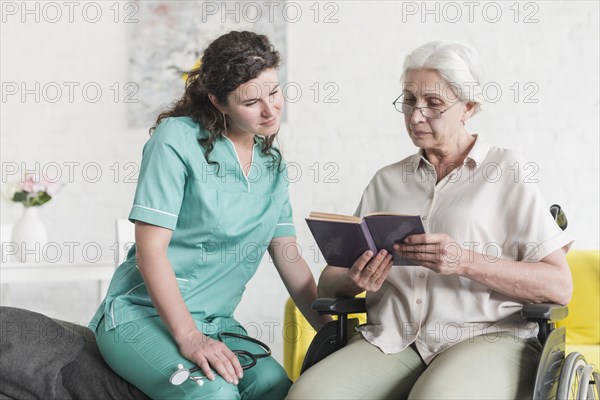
228	62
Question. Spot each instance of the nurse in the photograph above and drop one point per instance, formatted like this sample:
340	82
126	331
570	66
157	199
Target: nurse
211	198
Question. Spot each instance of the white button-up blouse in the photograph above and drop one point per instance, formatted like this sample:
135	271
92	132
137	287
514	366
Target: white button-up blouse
490	204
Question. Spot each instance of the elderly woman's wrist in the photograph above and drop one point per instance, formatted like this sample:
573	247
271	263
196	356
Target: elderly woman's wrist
466	263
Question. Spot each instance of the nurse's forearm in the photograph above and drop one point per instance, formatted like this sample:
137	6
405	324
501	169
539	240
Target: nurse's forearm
164	292
297	278
303	290
335	282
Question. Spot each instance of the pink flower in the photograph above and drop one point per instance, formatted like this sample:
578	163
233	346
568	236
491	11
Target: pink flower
32	192
29	185
53	188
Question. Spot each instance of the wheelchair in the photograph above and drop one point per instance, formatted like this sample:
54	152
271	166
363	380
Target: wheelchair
559	376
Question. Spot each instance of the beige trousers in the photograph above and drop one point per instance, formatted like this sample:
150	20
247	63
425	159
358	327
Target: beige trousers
479	369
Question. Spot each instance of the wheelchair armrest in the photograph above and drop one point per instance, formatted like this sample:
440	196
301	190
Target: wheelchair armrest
545	311
339	306
335	334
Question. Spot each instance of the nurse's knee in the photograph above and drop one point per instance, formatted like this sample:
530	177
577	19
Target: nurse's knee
267	380
218	389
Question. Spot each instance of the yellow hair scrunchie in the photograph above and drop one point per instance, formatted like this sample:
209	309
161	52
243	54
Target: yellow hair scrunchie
198	63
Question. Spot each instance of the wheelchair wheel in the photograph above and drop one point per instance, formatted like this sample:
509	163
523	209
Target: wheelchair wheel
595	387
587	389
570	380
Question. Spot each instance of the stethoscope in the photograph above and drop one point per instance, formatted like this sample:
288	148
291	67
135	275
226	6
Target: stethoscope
183	374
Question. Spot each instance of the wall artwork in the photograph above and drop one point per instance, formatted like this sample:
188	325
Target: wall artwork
168	37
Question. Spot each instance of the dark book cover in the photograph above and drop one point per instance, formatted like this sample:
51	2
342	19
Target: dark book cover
386	230
342	242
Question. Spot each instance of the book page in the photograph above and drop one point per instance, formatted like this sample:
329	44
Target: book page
386	213
334	217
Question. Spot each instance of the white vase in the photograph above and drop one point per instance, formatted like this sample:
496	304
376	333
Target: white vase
29	236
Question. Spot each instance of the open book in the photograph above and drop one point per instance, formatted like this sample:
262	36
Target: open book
343	238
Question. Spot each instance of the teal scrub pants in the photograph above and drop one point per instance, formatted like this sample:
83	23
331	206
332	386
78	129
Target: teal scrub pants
144	353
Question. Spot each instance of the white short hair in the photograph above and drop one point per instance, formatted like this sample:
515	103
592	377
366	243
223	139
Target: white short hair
457	63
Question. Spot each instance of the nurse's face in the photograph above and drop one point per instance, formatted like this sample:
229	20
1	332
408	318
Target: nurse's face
255	106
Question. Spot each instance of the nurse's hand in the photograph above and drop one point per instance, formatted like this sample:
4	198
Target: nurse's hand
207	353
368	272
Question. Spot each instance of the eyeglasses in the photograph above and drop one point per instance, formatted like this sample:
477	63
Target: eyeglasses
247	360
427	112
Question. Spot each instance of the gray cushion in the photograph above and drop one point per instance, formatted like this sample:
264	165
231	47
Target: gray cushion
42	358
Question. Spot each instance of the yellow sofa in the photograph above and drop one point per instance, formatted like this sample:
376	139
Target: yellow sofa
582	324
298	335
583	321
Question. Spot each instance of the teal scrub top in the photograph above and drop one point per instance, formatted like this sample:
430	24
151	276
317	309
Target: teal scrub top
222	222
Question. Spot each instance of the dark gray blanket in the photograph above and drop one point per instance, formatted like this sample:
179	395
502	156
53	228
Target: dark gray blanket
42	358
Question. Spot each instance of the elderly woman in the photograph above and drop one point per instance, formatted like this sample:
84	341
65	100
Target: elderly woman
449	327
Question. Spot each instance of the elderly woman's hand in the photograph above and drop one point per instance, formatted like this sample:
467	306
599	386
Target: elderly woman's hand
436	251
368	272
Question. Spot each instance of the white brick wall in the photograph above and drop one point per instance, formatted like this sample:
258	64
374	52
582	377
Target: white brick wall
357	62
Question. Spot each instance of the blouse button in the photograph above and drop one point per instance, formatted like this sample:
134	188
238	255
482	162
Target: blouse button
422	275
418	301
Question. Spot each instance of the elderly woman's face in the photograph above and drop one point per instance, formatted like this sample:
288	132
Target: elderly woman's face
426	88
